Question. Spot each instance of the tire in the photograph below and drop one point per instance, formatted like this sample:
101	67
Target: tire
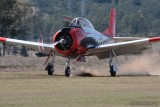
67	71
112	72
50	70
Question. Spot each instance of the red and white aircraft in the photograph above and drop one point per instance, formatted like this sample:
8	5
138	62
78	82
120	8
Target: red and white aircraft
80	39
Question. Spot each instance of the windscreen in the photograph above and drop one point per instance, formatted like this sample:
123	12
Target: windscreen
81	22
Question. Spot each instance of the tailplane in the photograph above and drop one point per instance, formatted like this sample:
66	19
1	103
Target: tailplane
110	31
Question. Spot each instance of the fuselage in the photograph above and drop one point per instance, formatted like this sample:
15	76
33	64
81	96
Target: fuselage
97	36
78	38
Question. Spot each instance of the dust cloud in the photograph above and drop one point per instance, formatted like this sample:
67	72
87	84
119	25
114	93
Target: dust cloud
145	64
135	65
141	65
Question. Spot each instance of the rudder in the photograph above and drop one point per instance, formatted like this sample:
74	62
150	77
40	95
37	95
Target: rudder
110	31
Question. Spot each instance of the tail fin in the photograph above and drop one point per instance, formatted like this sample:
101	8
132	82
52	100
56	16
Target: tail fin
110	31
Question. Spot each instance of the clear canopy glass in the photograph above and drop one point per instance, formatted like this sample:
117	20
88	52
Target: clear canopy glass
81	22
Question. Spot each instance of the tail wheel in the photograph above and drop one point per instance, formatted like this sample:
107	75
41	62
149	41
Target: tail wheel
50	69
112	72
67	71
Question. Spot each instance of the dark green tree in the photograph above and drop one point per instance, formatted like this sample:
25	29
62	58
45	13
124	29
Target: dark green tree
6	16
103	1
15	50
12	16
137	2
24	51
23	23
136	24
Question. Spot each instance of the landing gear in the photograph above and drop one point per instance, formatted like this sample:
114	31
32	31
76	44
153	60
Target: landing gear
67	68
50	66
67	71
112	72
50	69
113	65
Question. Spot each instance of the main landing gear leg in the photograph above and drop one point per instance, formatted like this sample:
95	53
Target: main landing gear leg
113	65
67	68
50	65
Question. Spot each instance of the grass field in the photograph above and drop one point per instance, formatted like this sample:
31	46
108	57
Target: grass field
23	83
36	89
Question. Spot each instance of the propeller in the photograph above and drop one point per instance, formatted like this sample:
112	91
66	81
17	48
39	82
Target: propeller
61	42
67	20
64	43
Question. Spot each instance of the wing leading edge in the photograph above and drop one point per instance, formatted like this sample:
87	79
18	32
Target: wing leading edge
29	45
122	48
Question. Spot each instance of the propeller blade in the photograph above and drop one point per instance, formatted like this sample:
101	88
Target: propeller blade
62	41
68	18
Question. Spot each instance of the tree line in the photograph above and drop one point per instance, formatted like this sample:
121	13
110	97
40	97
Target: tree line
32	18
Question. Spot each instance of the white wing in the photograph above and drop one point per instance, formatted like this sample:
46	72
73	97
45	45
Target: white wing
29	45
122	48
123	39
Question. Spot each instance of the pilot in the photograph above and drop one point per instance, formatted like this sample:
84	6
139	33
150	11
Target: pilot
78	23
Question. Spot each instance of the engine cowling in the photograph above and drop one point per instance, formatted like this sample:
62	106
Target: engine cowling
69	41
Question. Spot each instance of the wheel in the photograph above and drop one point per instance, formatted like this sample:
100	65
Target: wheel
50	69
67	71
112	72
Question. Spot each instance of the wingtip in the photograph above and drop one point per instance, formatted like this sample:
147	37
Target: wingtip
155	39
2	39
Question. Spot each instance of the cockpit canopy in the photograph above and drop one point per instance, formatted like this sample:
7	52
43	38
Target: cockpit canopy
81	22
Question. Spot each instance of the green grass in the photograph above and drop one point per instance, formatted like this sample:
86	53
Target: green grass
36	89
